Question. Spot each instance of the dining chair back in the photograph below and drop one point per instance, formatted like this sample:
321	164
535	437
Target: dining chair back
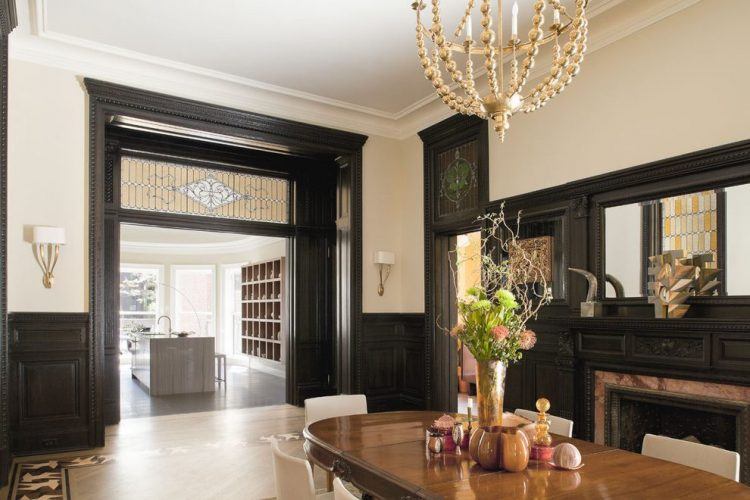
293	476
557	425
340	492
334	406
699	456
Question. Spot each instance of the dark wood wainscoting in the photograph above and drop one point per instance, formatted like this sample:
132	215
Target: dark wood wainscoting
50	382
548	369
393	361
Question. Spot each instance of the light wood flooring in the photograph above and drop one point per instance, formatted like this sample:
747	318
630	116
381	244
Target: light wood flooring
210	455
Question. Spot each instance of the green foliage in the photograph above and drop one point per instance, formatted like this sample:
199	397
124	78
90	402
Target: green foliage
480	314
140	287
493	316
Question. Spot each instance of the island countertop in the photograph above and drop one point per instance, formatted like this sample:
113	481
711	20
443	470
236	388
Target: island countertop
167	364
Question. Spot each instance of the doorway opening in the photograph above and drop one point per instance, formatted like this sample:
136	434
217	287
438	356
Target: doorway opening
468	273
203	320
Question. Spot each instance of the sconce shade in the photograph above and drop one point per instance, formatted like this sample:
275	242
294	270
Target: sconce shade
382	257
49	234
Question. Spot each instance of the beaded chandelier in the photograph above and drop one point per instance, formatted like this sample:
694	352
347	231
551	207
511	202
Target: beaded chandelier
501	102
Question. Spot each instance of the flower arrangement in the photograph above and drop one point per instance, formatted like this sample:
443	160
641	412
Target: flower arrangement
491	327
493	316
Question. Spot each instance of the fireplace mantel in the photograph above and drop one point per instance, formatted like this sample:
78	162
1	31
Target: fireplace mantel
626	406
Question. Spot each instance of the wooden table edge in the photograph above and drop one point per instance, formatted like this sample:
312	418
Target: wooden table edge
360	473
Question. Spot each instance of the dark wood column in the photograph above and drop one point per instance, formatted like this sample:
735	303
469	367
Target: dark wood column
8	22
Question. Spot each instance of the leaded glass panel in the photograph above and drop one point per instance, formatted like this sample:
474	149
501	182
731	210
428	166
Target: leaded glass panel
170	187
457	180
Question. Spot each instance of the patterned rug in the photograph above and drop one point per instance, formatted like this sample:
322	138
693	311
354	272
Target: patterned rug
47	479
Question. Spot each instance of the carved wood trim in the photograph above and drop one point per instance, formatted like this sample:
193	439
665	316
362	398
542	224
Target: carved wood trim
8	22
452	132
299	138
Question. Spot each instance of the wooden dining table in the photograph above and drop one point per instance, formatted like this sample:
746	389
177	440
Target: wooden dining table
385	455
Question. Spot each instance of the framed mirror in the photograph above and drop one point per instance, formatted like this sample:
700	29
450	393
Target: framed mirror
710	223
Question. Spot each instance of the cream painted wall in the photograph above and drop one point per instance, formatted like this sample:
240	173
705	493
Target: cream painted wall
678	86
47	185
392	221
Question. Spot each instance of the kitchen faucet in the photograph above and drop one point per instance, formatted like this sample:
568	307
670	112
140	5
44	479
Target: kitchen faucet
168	319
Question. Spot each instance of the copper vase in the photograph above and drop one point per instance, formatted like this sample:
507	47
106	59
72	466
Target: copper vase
490	392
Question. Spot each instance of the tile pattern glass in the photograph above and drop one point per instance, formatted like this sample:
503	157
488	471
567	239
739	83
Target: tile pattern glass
162	186
689	223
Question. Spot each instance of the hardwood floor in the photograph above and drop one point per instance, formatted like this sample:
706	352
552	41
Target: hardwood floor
245	388
210	455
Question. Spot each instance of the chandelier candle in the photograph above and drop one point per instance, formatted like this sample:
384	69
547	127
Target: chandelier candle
501	102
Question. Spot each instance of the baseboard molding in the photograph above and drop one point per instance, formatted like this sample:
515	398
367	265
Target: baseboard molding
258	364
6	459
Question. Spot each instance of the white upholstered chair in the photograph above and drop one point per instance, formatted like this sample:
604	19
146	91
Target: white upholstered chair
557	425
340	492
293	477
699	456
334	406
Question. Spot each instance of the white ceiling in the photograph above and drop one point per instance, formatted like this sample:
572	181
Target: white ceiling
360	52
165	240
346	64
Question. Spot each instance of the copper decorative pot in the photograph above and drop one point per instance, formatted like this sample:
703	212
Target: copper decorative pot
489	449
514	456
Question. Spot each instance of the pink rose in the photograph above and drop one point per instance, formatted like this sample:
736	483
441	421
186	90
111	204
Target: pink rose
500	332
528	339
457	330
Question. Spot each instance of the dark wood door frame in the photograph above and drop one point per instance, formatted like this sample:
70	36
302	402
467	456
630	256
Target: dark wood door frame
296	138
8	22
441	356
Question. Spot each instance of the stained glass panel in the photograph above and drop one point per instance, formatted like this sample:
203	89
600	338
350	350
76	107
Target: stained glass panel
155	185
457	179
689	223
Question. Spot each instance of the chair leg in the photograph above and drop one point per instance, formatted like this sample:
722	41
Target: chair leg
329	481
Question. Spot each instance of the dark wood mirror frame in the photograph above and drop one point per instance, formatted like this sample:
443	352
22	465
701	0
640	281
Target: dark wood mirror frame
716	168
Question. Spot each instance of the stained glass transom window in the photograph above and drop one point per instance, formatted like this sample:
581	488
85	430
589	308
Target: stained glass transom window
689	223
155	185
457	180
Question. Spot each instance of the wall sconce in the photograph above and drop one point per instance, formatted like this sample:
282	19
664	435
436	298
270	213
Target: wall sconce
46	242
384	260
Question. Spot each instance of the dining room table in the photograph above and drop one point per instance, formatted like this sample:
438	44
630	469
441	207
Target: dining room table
385	456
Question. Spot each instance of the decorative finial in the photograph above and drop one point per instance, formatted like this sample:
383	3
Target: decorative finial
542	437
542	404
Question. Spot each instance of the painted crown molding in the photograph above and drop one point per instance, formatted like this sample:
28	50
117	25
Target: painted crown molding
43	46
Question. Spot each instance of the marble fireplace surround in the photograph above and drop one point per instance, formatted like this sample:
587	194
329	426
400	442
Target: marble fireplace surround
602	379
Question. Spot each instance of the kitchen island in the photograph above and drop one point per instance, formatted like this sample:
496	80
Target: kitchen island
167	364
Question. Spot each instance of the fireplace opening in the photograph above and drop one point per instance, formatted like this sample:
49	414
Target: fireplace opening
631	413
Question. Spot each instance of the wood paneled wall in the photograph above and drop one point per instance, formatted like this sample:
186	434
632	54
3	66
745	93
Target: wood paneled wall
393	365
50	382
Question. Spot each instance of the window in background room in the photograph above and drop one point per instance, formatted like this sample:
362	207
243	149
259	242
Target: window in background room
231	328
140	303
193	299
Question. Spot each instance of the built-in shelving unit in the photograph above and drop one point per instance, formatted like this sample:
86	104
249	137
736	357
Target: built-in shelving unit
263	310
